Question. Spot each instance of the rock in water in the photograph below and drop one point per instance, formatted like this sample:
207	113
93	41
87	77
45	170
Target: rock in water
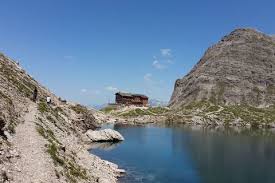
240	69
107	135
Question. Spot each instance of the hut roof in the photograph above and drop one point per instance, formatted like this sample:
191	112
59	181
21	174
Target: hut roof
131	95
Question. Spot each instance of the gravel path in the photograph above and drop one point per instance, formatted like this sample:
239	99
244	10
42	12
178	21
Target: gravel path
34	165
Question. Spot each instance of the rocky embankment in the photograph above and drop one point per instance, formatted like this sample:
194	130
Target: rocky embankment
41	142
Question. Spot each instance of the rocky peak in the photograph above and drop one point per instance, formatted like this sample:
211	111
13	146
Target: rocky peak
239	69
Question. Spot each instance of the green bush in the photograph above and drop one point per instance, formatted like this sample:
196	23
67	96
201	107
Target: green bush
53	151
79	109
43	107
108	109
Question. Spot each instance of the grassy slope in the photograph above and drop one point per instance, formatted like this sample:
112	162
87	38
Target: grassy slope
208	112
242	114
136	112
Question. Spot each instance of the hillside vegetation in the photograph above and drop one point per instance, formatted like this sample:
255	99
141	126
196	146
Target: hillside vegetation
42	142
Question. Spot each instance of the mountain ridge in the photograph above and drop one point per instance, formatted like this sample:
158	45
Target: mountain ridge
239	69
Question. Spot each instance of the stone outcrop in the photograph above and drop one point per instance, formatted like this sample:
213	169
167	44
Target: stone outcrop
107	135
86	120
239	69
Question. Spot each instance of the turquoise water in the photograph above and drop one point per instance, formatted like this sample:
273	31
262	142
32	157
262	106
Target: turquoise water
181	154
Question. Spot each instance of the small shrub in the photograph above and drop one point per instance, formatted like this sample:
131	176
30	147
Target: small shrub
77	171
53	151
41	131
108	109
79	109
158	110
197	105
43	107
212	108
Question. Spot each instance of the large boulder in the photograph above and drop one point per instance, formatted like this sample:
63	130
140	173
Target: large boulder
107	135
86	120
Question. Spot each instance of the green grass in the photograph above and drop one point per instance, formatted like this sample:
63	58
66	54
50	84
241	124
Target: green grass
134	113
142	112
72	171
43	107
10	107
53	151
254	116
197	105
158	110
245	114
108	109
79	109
77	171
58	110
212	108
23	85
41	131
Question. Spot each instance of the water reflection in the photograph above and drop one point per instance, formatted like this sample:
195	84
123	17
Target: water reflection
177	153
107	146
232	157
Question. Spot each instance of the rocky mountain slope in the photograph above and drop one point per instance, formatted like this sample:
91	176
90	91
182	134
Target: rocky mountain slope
239	69
233	85
41	142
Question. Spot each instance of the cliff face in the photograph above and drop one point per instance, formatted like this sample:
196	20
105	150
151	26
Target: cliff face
239	69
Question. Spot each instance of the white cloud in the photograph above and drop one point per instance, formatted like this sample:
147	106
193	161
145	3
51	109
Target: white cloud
148	77
83	90
166	52
111	88
156	64
164	59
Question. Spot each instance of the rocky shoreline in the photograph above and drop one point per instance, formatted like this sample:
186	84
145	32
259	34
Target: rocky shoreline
203	114
68	161
198	122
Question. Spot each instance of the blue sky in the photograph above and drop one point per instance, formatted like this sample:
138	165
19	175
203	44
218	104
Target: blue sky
85	50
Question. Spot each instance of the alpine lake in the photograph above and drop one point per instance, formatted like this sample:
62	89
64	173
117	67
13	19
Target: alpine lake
184	154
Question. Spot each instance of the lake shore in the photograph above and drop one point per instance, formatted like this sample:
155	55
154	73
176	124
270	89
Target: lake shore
198	114
182	148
